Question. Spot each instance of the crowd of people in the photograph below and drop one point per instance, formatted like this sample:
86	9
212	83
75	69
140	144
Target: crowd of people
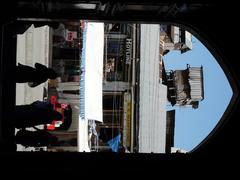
36	113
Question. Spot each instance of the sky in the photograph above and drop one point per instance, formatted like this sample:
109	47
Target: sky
193	125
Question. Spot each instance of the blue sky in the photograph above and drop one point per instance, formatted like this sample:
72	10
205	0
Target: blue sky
193	125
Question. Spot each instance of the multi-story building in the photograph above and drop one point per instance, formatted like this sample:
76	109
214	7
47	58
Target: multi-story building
136	86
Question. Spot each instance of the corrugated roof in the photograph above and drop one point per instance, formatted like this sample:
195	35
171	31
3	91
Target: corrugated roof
196	83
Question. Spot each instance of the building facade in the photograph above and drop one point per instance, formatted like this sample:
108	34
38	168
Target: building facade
132	93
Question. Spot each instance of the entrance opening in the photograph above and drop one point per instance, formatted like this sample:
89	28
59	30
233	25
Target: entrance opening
119	87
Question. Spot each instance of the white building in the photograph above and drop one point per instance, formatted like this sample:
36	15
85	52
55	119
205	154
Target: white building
153	94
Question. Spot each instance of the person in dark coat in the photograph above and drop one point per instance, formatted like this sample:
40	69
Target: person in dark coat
34	76
37	113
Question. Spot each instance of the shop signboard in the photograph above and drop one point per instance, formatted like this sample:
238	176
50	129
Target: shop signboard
70	35
127	120
128	50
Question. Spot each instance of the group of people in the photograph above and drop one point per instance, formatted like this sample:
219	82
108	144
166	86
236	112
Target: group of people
36	113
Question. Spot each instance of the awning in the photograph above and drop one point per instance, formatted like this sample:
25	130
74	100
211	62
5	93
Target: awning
91	80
